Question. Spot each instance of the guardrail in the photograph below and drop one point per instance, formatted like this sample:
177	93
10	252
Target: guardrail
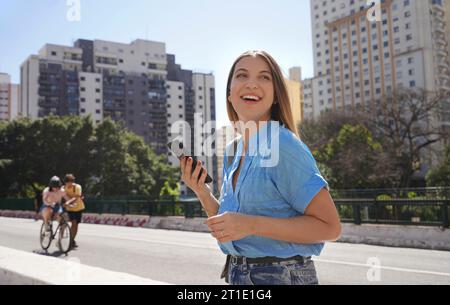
415	212
424	212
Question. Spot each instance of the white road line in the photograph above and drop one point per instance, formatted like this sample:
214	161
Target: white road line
153	241
382	267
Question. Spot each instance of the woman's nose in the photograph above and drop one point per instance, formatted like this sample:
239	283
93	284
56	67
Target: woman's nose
252	85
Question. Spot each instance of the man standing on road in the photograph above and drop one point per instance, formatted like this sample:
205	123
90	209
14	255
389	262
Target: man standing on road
75	212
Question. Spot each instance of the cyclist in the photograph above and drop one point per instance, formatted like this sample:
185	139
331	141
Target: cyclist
51	198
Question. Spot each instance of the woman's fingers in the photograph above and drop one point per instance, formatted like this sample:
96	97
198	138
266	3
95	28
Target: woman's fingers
195	180
182	165
221	236
202	179
196	173
188	170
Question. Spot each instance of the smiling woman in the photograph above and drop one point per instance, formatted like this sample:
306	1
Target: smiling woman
269	220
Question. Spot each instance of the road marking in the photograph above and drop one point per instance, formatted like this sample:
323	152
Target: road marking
170	243
320	260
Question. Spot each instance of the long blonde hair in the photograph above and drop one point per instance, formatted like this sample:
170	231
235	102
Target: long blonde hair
281	110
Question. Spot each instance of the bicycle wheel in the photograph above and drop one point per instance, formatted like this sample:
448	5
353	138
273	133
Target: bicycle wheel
45	237
64	238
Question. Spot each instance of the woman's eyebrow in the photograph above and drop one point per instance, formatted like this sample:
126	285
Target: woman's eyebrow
245	70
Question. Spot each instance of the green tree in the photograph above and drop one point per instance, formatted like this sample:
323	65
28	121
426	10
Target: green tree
440	176
352	158
407	126
107	160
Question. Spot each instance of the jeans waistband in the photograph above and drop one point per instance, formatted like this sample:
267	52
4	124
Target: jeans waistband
240	260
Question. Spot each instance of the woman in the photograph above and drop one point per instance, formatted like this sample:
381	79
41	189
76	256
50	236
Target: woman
51	197
270	219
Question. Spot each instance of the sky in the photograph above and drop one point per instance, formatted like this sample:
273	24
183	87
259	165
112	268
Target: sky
204	35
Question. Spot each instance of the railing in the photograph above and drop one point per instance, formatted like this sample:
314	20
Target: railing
417	212
403	193
122	206
422	212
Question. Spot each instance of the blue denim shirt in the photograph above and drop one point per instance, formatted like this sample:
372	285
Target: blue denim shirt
279	178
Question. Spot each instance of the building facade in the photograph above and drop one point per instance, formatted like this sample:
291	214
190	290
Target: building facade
295	90
138	84
359	61
9	99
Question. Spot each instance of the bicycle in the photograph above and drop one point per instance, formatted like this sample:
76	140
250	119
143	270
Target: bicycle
63	232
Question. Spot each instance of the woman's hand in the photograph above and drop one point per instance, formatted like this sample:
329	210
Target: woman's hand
231	226
196	184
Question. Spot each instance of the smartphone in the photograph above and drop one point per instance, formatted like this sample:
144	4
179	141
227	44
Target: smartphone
177	149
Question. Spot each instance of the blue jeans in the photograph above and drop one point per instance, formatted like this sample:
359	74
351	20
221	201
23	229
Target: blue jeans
57	209
283	273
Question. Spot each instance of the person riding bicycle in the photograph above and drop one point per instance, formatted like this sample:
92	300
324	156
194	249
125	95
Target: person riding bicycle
51	197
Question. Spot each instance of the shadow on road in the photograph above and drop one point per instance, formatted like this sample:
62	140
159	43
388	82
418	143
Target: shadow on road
52	254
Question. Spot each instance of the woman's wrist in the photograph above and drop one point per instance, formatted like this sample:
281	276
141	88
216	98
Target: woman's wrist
254	224
203	195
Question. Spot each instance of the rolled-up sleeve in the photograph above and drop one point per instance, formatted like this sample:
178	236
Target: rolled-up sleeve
297	177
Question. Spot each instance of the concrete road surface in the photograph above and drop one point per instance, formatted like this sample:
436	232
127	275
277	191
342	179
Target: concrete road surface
194	258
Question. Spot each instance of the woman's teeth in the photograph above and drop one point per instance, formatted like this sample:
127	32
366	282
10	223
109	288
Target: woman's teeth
251	98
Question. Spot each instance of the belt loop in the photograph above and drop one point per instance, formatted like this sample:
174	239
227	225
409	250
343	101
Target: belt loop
244	264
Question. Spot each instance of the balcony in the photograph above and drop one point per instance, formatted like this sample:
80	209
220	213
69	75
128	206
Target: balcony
106	62
73	58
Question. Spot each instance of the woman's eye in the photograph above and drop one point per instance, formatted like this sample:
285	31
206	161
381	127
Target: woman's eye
266	77
240	75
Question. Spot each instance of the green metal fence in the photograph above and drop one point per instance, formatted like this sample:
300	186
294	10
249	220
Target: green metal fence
405	193
426	212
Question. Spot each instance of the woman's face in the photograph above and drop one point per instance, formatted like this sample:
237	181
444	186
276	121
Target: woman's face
252	90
